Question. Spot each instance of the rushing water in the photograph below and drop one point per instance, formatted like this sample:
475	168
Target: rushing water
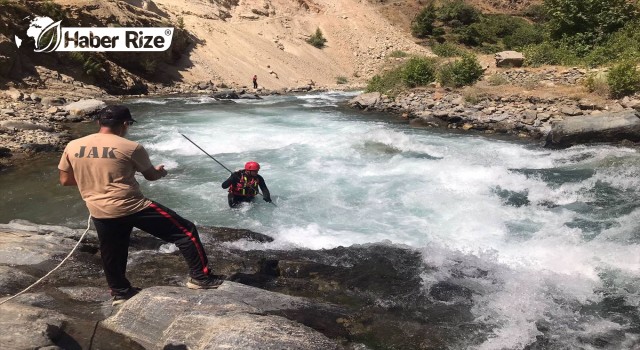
547	241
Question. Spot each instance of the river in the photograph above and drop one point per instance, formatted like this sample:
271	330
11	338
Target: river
546	240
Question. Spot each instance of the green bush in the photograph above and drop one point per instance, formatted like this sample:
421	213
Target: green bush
447	50
622	45
524	35
535	13
458	10
398	54
90	63
497	79
419	71
624	79
422	24
317	39
465	71
470	35
548	53
341	80
489	29
597	83
587	22
52	10
389	82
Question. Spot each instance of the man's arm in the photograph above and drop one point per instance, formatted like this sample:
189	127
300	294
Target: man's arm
153	174
67	178
265	191
232	180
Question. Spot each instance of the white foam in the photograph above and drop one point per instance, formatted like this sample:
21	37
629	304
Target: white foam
340	180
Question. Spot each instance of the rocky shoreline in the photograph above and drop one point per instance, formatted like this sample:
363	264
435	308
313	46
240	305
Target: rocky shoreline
359	297
556	120
35	114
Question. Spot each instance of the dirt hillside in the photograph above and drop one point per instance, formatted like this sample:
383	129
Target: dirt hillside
264	36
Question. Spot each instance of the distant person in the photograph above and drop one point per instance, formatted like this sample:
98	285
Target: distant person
245	184
103	165
255	81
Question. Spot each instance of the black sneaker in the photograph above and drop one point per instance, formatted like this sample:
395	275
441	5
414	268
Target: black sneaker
212	282
121	298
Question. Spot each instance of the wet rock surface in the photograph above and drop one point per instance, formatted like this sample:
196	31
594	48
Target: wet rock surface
522	115
358	297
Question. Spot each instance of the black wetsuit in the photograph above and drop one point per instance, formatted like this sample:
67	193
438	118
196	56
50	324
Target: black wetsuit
235	199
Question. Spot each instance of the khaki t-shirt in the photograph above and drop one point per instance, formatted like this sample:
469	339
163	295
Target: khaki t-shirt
104	166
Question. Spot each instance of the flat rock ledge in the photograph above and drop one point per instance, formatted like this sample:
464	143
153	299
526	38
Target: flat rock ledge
234	316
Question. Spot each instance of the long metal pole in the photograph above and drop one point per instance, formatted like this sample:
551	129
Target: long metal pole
205	152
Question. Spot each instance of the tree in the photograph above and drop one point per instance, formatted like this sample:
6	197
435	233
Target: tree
422	24
587	22
317	39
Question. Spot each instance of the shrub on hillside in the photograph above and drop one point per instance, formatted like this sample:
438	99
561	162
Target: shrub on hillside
389	82
423	24
597	83
535	12
458	11
419	71
398	54
622	45
492	29
462	72
317	39
446	50
548	53
587	22
523	36
624	79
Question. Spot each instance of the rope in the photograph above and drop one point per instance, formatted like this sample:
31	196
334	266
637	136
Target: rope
55	268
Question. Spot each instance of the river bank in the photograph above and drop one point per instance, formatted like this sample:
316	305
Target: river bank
483	242
358	297
37	115
556	111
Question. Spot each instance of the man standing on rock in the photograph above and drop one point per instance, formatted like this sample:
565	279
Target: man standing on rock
103	165
255	81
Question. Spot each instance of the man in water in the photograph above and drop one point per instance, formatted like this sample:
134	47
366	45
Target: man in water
103	165
243	185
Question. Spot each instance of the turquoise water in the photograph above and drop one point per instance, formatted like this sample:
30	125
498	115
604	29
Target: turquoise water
558	232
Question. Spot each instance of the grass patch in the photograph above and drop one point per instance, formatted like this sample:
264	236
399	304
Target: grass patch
398	54
317	39
497	80
597	83
447	50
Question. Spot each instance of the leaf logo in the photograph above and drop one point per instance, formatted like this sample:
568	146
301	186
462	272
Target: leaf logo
46	33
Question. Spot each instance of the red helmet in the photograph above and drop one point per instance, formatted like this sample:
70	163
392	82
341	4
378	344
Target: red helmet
252	166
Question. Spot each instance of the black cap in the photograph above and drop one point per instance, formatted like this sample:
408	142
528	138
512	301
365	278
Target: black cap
117	113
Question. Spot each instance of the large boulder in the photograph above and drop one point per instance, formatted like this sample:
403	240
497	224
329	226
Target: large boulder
84	107
364	101
606	127
24	125
10	64
234	316
225	95
27	327
509	59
